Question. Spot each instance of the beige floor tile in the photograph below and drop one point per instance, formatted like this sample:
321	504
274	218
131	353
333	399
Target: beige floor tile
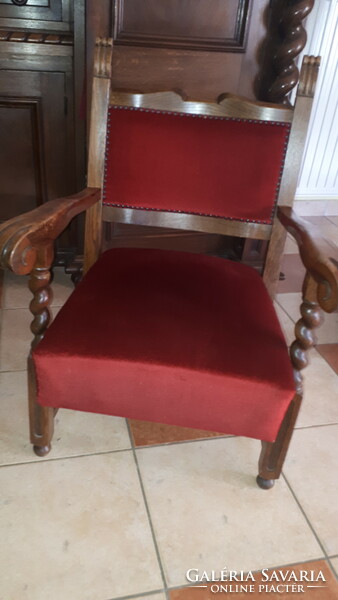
327	333
208	512
326	227
75	434
320	406
286	323
75	529
290	302
311	469
15	339
331	207
17	295
333	219
305	208
291	246
330	353
334	563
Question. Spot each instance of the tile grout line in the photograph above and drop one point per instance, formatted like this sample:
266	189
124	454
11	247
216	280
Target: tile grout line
301	427
104	452
141	595
158	556
10	371
149	446
191	441
306	517
47	460
285	311
26	308
14	370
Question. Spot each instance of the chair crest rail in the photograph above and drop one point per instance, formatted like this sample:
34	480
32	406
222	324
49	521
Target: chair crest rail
227	105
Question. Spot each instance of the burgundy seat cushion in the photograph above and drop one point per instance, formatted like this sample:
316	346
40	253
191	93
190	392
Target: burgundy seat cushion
217	166
171	337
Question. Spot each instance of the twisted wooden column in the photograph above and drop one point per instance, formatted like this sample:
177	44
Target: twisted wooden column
311	317
41	418
39	285
287	39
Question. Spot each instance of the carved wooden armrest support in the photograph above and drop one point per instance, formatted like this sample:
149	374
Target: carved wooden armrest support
319	256
23	236
320	286
27	246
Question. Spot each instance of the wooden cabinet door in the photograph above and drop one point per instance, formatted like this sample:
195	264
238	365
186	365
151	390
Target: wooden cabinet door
36	162
42	75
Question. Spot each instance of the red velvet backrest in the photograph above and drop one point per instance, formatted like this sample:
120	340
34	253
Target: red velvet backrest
215	166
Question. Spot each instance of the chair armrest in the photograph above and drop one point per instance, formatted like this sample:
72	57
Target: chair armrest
22	236
319	256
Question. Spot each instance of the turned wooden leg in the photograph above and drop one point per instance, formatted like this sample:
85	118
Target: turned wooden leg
273	454
41	418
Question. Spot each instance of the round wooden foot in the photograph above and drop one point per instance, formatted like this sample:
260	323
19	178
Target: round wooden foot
265	484
42	450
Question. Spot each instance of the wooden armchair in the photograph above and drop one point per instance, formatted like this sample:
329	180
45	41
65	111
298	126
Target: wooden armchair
174	337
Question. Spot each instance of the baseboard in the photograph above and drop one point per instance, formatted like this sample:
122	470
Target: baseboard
316	205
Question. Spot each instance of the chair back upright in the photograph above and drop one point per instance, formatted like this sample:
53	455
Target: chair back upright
219	167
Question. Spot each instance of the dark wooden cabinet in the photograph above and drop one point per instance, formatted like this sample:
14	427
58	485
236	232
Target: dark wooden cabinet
37	162
24	12
42	153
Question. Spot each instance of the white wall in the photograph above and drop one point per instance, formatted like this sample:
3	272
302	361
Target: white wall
317	191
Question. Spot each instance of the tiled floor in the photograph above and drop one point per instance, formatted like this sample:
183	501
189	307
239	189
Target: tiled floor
124	510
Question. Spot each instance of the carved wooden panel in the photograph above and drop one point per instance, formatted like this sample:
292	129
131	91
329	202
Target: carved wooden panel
41	14
21	154
199	74
219	25
36	161
26	2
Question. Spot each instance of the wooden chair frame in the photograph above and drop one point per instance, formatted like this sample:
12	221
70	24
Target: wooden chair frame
26	242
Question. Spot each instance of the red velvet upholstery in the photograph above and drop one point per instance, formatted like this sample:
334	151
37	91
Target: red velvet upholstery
171	337
189	163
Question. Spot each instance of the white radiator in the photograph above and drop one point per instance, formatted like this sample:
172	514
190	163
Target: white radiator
319	173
